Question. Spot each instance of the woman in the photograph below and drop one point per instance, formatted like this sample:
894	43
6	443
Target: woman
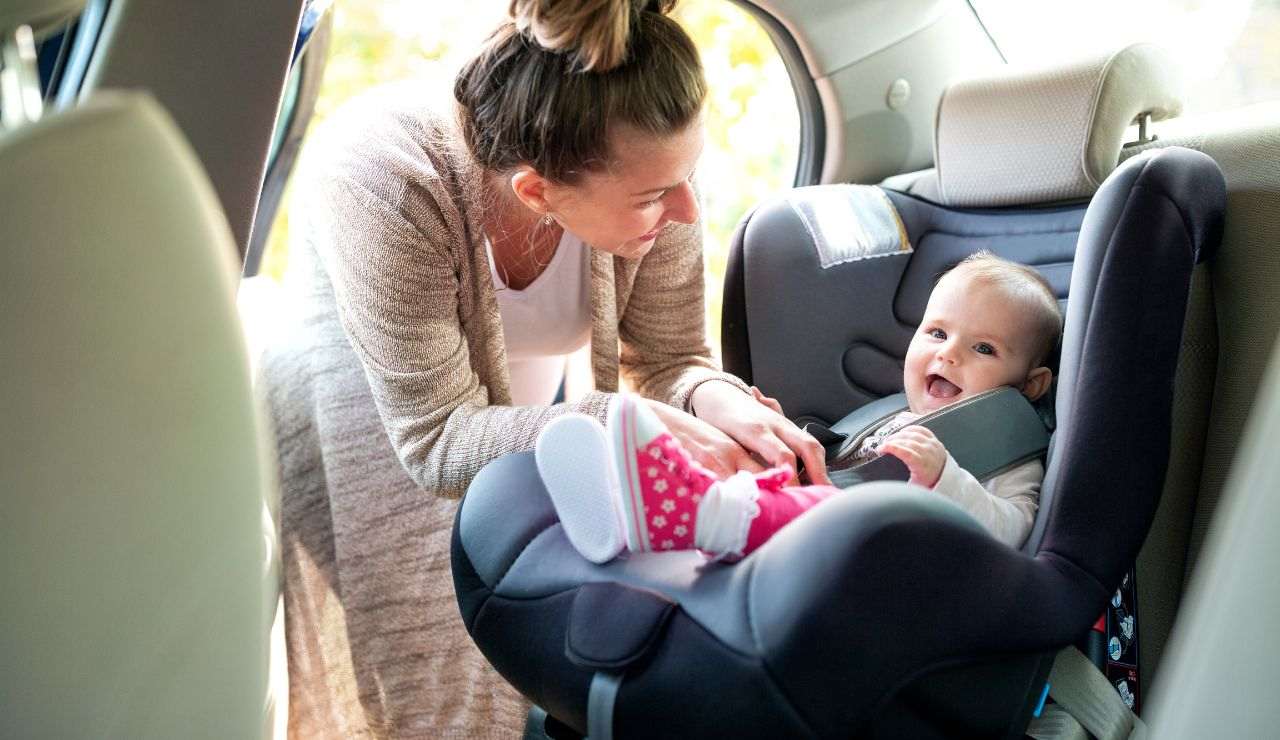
466	254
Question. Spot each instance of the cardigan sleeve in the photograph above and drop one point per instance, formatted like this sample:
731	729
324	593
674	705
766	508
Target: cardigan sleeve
663	330
1006	506
380	221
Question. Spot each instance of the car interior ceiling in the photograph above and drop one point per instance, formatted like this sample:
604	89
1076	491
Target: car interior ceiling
1192	591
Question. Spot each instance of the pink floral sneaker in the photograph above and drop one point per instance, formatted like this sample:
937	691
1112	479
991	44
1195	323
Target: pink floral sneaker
670	502
634	487
661	486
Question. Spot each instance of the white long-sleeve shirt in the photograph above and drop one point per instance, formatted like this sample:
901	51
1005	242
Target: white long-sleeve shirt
1005	505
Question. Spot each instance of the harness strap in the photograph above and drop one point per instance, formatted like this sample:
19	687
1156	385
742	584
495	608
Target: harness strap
600	701
986	434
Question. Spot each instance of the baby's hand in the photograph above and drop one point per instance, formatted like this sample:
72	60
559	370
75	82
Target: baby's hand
920	451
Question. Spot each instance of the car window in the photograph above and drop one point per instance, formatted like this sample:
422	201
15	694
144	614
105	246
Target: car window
1227	48
62	54
751	117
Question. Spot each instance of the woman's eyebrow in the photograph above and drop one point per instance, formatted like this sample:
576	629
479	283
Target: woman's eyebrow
654	190
663	190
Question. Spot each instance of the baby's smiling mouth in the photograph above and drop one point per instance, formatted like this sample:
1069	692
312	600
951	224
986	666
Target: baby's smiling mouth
939	387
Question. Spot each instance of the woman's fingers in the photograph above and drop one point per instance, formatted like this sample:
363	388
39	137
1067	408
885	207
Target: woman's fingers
722	457
769	448
770	403
809	451
708	459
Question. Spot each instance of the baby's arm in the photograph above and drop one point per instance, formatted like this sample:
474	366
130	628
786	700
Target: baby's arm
1006	506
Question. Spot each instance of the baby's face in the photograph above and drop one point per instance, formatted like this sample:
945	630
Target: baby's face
973	338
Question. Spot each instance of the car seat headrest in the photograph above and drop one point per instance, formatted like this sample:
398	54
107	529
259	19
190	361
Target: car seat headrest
1050	134
43	16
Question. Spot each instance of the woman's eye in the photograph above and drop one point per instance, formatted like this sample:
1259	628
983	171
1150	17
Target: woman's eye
937	334
983	348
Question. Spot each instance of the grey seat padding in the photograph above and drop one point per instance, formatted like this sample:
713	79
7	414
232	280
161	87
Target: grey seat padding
788	322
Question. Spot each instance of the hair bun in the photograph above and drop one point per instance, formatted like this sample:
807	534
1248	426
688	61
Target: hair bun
595	31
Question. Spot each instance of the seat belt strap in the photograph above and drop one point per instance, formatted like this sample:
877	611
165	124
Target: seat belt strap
1082	692
1055	724
600	700
986	434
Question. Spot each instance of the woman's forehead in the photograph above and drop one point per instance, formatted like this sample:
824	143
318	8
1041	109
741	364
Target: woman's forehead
641	160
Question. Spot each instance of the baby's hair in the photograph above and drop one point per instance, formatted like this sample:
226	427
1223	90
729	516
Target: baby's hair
1027	286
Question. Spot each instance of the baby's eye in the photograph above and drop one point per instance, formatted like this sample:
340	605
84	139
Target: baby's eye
983	348
937	334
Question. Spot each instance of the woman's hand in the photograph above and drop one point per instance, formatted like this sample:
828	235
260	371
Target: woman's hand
710	447
756	426
920	451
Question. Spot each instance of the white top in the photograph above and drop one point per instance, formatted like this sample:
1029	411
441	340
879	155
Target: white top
1005	505
547	320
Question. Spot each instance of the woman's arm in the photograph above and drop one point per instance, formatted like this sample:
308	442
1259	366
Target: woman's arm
381	222
665	354
663	329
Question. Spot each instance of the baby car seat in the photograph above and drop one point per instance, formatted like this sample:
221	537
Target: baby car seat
885	612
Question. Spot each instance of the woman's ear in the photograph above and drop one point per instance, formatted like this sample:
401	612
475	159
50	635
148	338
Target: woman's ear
1037	383
531	189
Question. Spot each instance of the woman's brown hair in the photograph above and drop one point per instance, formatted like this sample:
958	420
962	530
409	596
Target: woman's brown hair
552	81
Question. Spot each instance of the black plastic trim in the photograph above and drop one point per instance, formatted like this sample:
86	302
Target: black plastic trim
309	67
813	127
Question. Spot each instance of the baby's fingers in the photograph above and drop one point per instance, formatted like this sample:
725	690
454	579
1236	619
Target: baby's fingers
902	449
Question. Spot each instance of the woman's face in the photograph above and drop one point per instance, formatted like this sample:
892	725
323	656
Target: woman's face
621	209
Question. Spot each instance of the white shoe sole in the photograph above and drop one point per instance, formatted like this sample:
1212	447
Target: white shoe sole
576	466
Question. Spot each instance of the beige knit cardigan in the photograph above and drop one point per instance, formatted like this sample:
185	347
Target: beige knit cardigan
399	354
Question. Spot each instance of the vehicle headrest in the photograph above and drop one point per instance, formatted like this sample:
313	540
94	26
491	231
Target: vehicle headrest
1038	136
43	16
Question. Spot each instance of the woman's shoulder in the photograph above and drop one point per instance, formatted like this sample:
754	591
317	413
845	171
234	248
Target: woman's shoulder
391	135
391	146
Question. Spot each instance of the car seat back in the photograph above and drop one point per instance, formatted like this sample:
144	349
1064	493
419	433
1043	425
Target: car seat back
821	301
138	553
886	612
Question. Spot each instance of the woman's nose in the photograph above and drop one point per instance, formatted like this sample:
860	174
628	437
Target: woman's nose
682	204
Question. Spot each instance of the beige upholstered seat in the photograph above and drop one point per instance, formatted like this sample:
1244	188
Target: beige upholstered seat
1222	657
138	556
1223	359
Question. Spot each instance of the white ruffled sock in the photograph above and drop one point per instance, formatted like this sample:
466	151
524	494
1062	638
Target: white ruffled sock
725	514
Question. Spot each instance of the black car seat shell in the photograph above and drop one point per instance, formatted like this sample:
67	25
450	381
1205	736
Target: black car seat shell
886	612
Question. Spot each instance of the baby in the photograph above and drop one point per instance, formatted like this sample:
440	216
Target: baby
989	323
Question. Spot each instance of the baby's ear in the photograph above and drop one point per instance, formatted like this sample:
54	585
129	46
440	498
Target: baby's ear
1037	383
